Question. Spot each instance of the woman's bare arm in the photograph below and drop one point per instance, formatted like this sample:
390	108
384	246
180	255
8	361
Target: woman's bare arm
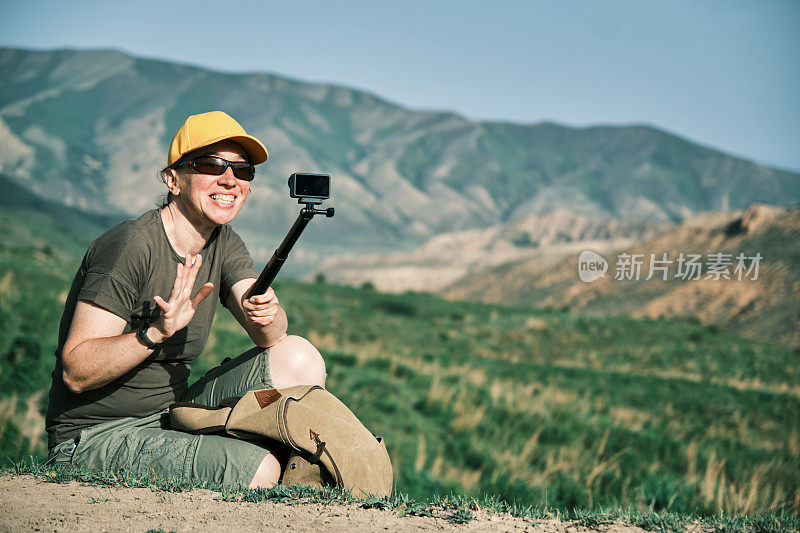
96	352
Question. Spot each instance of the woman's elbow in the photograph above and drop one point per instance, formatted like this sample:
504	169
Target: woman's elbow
74	382
74	385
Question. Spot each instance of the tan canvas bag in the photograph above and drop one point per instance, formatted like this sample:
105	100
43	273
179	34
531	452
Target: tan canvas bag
318	427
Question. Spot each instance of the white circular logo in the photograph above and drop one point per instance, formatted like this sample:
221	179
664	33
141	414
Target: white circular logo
591	266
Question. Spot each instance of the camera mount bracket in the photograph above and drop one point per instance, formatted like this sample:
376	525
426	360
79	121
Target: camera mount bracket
310	208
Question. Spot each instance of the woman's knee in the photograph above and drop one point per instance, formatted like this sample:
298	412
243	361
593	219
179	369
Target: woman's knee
295	361
268	473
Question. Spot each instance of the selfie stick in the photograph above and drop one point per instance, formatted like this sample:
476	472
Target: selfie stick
282	253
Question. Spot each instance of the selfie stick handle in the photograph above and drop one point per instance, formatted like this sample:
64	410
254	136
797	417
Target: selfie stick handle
282	253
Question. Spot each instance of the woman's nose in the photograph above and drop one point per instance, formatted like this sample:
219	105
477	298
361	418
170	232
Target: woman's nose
227	177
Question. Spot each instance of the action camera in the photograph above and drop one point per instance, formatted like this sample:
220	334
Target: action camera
311	186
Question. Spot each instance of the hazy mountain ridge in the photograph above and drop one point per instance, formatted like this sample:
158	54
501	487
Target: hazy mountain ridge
448	257
90	129
534	262
766	307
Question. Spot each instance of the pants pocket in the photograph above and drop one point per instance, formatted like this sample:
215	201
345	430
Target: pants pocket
149	451
61	454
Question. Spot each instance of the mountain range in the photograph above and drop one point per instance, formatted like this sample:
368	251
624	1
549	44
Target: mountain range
761	300
90	130
448	257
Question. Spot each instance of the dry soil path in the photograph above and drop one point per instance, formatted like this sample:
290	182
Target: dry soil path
29	504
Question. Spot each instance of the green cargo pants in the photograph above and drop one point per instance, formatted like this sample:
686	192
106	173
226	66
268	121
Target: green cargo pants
148	445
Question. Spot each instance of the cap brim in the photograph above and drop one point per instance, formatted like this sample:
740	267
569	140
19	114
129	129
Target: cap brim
256	151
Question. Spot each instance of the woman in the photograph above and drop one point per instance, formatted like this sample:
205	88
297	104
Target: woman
140	309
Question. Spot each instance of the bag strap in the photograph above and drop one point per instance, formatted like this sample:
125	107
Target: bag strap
225	402
314	459
200	419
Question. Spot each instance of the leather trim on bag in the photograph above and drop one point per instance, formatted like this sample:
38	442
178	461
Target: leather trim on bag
266	397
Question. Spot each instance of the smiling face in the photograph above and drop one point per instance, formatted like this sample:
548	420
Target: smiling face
208	201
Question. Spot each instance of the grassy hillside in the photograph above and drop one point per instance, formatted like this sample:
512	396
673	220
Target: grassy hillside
530	406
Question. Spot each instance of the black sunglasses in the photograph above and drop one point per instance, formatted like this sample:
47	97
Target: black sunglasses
216	166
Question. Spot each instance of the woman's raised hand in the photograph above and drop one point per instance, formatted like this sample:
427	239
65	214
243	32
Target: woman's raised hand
179	310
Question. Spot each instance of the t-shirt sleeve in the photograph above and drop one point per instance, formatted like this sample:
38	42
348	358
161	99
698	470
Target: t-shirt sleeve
113	276
105	290
237	265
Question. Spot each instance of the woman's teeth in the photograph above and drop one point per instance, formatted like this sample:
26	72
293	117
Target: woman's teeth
223	198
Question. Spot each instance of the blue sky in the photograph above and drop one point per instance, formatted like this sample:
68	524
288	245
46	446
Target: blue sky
722	73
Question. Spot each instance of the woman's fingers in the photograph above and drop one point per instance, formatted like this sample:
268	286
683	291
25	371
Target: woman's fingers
179	310
177	286
251	306
187	275
262	320
161	303
204	291
267	297
272	310
261	302
192	268
185	278
262	308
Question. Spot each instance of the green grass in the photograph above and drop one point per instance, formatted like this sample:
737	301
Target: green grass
532	407
582	411
454	508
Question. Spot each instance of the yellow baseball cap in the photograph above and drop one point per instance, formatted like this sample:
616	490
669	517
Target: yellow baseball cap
208	128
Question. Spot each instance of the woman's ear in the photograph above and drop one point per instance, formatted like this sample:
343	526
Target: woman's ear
171	179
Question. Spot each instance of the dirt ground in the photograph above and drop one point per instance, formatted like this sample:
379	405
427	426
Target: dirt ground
28	504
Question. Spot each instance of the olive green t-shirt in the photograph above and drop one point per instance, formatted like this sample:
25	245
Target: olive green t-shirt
122	271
